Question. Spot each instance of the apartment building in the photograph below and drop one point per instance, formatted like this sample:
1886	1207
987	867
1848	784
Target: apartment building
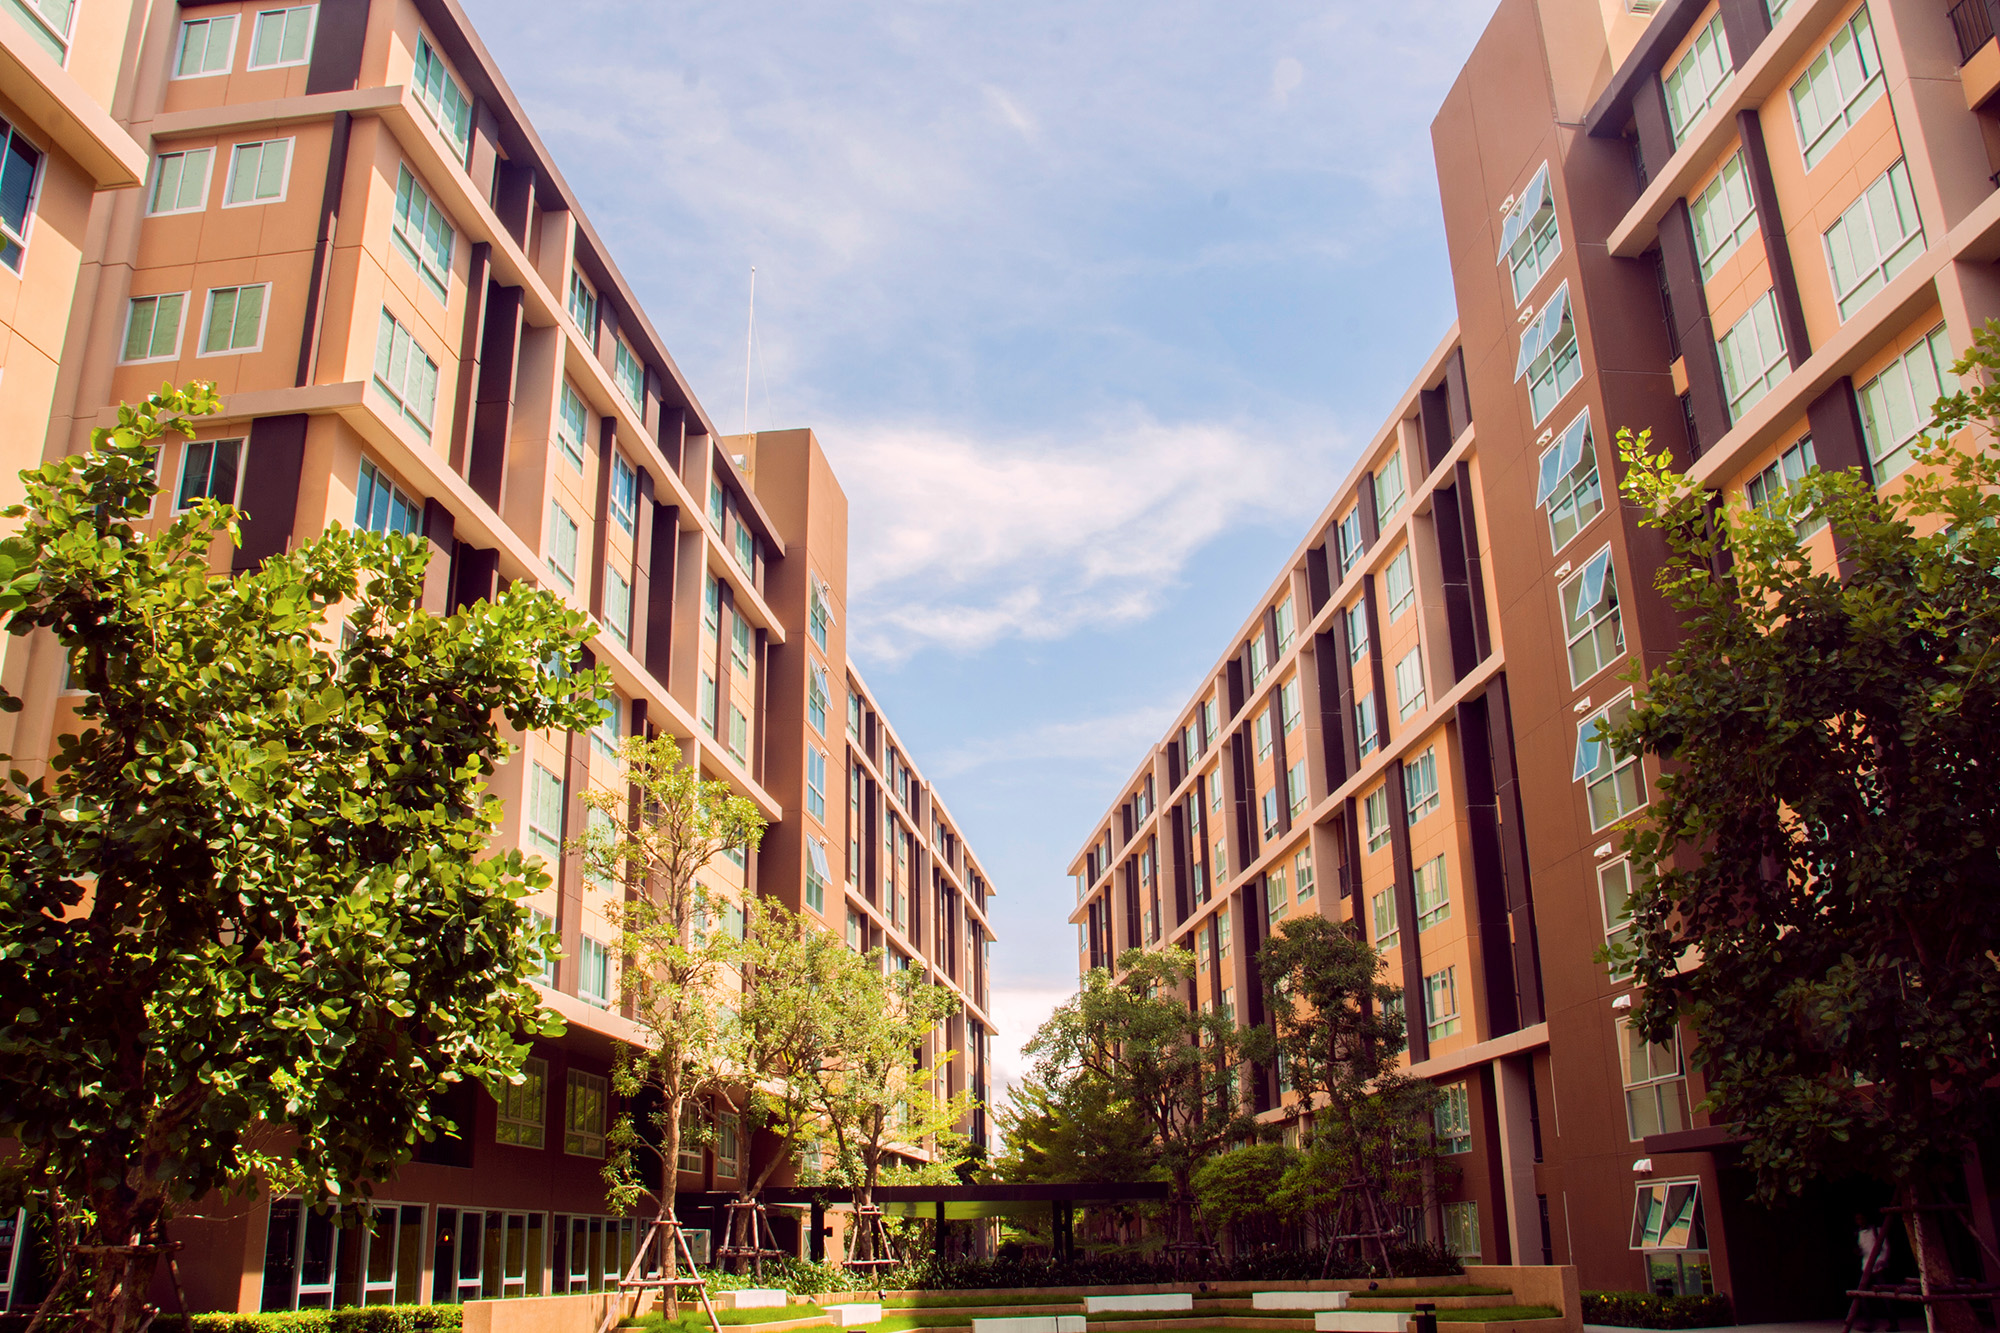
1762	231
339	215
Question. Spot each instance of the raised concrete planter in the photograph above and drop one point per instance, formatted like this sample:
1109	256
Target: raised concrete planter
1298	1300
861	1312
1058	1323
1160	1300
758	1298
1361	1321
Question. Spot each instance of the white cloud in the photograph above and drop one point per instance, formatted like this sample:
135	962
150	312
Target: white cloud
1016	1015
1110	740
970	541
1286	76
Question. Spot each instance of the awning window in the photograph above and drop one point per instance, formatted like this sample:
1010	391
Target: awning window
1666	1215
1562	457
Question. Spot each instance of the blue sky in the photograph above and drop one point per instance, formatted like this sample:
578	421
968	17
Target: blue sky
1090	304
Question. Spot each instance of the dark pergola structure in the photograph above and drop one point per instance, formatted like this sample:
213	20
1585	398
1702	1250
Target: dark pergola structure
950	1203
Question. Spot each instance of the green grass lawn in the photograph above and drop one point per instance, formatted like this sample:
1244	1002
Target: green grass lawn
693	1321
944	1300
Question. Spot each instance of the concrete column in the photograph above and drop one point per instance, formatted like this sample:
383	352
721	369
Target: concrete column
1512	1079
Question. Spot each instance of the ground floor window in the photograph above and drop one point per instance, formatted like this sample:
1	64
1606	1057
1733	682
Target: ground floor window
313	1262
1670	1233
481	1254
13	1239
1461	1230
592	1253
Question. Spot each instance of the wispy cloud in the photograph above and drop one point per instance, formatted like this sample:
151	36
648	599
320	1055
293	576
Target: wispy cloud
1109	740
974	540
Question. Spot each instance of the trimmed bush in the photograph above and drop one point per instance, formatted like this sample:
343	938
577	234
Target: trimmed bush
1637	1309
801	1277
929	1274
362	1319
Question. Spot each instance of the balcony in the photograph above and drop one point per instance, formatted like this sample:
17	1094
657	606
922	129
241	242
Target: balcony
1974	22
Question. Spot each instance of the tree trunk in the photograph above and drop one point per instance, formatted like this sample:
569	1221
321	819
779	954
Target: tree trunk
1925	1228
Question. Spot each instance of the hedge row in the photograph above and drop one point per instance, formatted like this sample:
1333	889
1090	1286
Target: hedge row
1636	1309
364	1319
930	1274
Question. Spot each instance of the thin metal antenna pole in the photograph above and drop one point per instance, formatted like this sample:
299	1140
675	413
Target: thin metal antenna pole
749	339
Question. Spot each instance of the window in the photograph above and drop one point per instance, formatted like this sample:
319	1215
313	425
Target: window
423	236
618	607
1530	239
1260	659
1451	1118
1389	487
739	642
1615	786
257	172
1433	893
817	874
1302	872
235	321
1724	216
572	425
1420	784
583	1120
1591	622
1295	788
708	702
1776	9
1261	727
1410	684
854	715
1568	487
47	22
717	506
816	698
816	783
210	470
405	372
1366	738
855	928
523	1118
1441	1003
608	734
380	506
282	37
1222	932
1461	1230
1896	406
439	95
819	615
153	327
1382	907
1655	1085
1289	710
630	373
1771	485
1286	629
1398	588
1349	538
624	493
593	972
1549	360
1874	240
1837	87
1667	1216
1268	803
583	306
739	734
545	810
20	169
180	182
1375	817
541	924
1209	722
1695	80
728	1146
208	46
1753	356
1614	893
711	607
1357	631
562	544
1275	899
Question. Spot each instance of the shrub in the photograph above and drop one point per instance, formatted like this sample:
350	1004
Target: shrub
801	1277
362	1319
1637	1309
1105	1270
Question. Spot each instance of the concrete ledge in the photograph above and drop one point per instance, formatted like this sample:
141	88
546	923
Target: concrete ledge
753	1298
858	1312
1298	1300
1058	1323
1162	1300
1361	1321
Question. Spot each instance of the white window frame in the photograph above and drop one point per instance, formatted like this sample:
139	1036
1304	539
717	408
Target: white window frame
1367	726
1410	684
816	783
592	954
1439	1023
1432	884
1461	1229
1598	765
235	163
1782	476
1390	487
371	479
1357	631
544	784
283	16
618	606
1420	785
1399	585
817	698
1387	929
522	1109
1375	818
624	357
187	455
181	47
1302	872
13	146
572	449
208	314
818	871
1618	927
1551	356
1451	1119
53	40
579	1140
1724	216
413	231
1296	793
398	389
1531	236
1649	1090
1568	482
563	535
436	105
1697	79
180	326
581	293
625	478
1754	357
1895	392
1856	39
1884	217
160	160
1588	601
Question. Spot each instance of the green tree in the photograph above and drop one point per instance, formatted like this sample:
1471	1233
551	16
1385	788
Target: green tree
1175	1067
1817	869
1336	1030
1071	1127
250	925
680	957
1244	1191
877	1101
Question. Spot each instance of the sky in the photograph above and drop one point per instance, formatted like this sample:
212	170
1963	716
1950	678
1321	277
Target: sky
1090	304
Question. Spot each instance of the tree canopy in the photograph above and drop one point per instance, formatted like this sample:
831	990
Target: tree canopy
1817	869
250	921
